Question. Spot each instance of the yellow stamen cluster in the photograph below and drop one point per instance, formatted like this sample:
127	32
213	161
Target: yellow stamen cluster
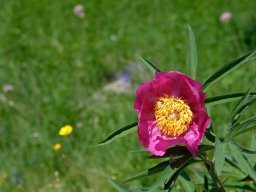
173	116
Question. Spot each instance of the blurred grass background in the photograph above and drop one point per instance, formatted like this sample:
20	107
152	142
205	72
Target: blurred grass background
59	63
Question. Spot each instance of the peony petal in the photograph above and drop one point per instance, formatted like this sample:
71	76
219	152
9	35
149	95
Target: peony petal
143	95
177	75
203	122
192	139
158	143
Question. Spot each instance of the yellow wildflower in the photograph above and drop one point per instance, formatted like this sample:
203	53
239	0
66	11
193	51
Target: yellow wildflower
66	130
57	146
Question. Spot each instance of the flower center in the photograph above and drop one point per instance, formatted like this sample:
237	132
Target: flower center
173	116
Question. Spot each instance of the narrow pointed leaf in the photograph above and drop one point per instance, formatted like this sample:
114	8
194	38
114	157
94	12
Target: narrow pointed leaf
240	103
227	68
138	176
170	182
158	184
182	151
219	157
192	53
156	169
243	163
206	184
119	133
172	151
159	167
244	150
253	140
237	186
150	65
243	127
180	161
217	100
118	186
209	134
242	109
186	182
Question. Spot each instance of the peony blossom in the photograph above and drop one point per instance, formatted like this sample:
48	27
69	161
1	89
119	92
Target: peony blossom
171	111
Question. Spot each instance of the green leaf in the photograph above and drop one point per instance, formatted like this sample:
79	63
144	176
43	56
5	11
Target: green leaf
203	148
159	167
219	157
180	161
227	68
138	176
242	109
156	169
158	184
186	182
217	100
211	170
244	150
240	103
173	151
182	151
253	140
237	186
243	127
232	163
119	133
118	186
150	65
209	134
243	163
192	54
206	184
170	182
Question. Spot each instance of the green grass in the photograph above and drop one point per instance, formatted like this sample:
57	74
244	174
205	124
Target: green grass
57	61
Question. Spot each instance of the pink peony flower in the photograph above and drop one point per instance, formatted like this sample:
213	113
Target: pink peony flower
225	17
171	111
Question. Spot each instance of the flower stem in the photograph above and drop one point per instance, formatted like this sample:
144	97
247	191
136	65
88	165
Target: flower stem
210	167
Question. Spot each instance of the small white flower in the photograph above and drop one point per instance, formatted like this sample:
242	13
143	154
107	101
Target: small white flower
7	88
225	17
79	10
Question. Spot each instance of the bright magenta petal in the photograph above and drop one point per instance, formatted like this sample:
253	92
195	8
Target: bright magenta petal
170	84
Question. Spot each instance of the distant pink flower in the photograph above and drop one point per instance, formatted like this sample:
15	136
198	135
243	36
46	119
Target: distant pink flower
79	10
171	111
225	17
7	88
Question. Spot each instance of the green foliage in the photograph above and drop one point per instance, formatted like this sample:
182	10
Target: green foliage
186	182
118	186
219	156
119	133
221	99
243	163
192	54
227	68
150	65
180	158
